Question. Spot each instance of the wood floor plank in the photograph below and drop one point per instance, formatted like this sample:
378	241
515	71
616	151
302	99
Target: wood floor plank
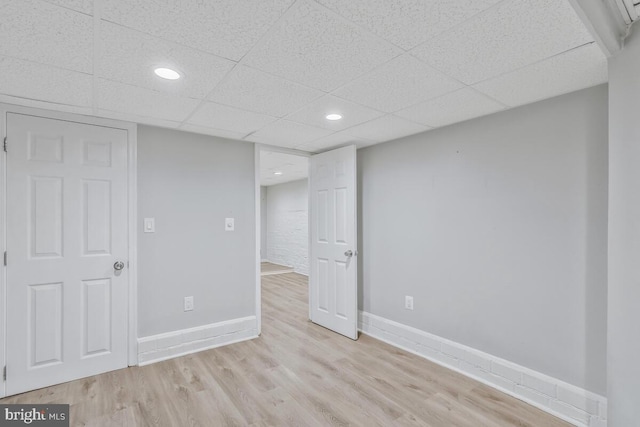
295	374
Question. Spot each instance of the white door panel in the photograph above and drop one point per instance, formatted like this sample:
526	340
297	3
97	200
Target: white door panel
66	227
333	272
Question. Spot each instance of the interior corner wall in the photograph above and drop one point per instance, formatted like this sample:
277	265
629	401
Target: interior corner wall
288	225
498	228
263	223
190	183
624	234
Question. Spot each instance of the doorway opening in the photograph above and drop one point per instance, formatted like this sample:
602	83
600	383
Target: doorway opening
325	256
284	213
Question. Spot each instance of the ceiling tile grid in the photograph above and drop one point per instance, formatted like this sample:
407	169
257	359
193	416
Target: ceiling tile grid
399	83
228	28
123	98
290	168
257	91
315	113
212	131
288	134
117	115
511	35
32	80
457	106
336	139
38	31
386	128
269	71
128	56
83	6
314	47
229	118
407	23
579	68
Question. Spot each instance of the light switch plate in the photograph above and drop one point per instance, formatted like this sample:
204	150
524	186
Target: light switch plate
408	302
149	225
188	303
229	224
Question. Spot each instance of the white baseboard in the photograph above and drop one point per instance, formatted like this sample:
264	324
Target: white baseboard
165	346
570	403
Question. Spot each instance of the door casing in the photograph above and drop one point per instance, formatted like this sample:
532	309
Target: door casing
132	142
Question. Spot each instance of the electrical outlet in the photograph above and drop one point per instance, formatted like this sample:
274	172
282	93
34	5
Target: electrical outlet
188	303
408	302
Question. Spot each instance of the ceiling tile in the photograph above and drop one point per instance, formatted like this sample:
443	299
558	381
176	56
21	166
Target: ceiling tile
130	57
577	69
229	118
35	103
315	113
401	82
227	28
284	133
84	6
151	121
407	23
32	80
253	90
460	105
334	140
213	132
293	167
41	32
511	35
128	99
386	128
312	46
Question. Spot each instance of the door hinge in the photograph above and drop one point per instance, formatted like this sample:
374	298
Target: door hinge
5	144
4	373
5	258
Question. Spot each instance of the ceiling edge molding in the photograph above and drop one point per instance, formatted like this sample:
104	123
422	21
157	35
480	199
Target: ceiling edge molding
605	23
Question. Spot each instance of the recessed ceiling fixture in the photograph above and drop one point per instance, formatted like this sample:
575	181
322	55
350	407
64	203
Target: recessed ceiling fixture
277	173
167	73
333	116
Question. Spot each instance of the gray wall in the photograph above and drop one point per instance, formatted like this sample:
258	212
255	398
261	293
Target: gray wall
263	222
190	183
288	225
624	235
498	229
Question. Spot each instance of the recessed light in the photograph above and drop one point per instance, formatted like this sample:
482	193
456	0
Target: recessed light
277	173
167	73
334	116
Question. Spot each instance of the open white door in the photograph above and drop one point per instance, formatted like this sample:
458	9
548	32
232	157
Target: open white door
333	272
67	245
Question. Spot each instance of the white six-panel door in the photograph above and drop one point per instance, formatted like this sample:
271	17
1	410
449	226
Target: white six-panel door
66	228
333	269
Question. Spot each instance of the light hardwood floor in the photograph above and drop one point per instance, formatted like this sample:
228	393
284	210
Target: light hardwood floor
268	268
295	374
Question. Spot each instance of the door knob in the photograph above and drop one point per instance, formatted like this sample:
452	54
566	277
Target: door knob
348	253
119	265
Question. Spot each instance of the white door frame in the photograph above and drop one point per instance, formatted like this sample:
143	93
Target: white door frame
132	143
257	150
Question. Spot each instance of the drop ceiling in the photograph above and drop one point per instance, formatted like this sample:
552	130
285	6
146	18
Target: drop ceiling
270	71
278	168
